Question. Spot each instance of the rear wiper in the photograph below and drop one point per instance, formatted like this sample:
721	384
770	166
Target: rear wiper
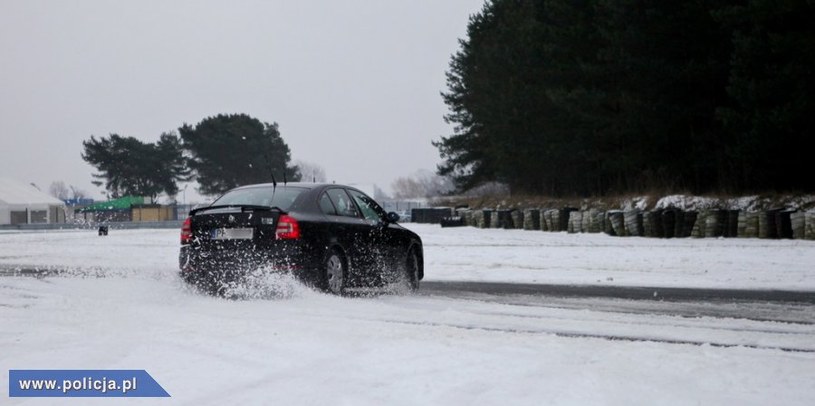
243	207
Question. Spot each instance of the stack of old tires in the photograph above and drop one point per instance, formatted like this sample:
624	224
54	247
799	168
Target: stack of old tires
659	223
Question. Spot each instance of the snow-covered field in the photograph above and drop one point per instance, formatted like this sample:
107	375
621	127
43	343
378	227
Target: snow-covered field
303	347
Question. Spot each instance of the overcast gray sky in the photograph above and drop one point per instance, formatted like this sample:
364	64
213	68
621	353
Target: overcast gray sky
354	85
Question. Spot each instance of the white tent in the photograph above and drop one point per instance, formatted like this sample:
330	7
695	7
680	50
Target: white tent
25	204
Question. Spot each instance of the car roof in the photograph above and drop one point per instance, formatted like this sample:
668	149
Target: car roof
289	184
303	185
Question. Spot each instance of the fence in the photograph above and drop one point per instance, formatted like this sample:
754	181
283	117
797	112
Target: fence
94	225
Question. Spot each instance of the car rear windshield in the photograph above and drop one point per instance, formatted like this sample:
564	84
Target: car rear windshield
282	197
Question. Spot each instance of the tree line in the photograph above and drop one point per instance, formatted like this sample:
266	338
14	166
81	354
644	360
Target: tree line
593	97
220	153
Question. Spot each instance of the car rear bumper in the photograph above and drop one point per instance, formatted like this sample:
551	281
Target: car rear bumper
226	266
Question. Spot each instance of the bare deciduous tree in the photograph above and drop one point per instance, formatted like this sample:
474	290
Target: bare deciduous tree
59	190
77	193
422	183
310	172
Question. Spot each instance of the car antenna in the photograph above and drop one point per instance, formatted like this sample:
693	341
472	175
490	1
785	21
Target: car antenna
271	172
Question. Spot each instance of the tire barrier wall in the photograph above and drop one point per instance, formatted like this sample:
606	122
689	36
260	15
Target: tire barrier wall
430	215
617	224
662	223
502	219
809	226
517	217
633	223
532	219
575	224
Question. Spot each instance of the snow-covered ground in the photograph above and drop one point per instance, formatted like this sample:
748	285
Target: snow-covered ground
597	259
291	345
471	254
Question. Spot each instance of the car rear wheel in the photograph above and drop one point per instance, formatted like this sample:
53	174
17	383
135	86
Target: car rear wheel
336	273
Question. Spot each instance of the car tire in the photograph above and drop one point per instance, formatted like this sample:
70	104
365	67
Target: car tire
335	273
411	276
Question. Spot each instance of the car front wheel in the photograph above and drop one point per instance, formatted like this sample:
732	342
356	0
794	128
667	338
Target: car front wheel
412	270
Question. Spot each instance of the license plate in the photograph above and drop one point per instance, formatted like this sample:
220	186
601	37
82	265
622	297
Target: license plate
232	234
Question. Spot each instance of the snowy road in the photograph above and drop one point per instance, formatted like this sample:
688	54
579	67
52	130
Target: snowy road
620	292
772	322
285	344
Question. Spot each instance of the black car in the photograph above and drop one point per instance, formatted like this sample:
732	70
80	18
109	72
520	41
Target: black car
331	236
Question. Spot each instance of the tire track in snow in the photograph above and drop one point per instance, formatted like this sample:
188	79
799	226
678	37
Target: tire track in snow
610	337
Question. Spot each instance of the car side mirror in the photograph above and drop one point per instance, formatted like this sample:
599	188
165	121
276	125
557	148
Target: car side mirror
392	217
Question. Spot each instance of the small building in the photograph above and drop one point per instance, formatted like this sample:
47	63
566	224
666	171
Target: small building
22	203
152	212
120	209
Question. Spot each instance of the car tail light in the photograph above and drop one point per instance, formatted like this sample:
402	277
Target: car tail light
287	228
186	231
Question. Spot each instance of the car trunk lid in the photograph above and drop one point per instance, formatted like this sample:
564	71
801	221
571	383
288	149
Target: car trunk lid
234	226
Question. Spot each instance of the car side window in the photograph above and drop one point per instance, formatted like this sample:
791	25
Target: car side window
368	206
345	207
326	206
